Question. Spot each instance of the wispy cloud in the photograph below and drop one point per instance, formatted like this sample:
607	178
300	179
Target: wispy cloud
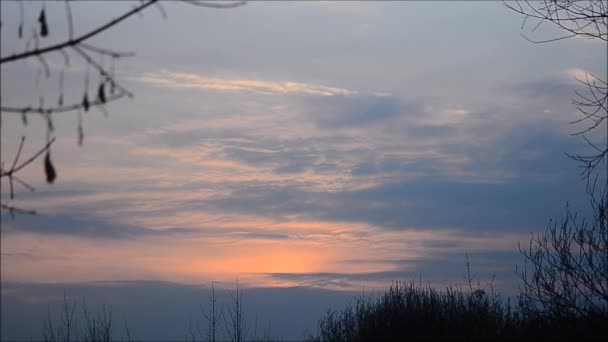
195	81
447	269
387	146
576	74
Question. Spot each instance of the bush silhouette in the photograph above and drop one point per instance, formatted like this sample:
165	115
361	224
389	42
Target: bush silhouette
409	311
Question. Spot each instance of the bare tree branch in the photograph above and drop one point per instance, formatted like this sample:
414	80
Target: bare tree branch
108	89
76	41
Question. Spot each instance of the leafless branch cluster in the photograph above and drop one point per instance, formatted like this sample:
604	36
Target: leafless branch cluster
593	107
586	19
97	327
212	316
566	269
235	324
11	174
74	46
583	19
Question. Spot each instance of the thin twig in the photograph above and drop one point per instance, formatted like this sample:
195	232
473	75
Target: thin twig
76	41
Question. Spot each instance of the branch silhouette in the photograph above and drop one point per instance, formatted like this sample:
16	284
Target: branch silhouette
108	89
582	19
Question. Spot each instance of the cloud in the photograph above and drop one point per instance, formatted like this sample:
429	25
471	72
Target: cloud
340	280
282	159
442	271
402	205
194	81
436	167
262	235
73	224
560	85
576	74
357	111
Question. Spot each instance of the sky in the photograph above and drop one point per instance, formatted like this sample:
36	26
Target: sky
311	150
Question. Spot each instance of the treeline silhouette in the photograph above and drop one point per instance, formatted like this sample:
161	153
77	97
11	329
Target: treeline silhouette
407	311
563	294
415	312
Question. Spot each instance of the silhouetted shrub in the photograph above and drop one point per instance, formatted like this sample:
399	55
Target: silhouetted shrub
408	311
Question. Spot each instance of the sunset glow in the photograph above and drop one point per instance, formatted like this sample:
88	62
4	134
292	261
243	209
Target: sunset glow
321	147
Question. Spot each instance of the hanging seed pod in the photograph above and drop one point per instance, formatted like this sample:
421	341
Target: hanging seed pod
21	15
80	129
101	93
80	135
44	30
49	169
61	76
49	124
85	102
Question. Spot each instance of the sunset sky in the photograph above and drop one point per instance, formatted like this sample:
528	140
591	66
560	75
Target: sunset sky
334	146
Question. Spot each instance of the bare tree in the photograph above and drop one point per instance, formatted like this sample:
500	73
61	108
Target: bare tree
236	325
65	329
75	47
212	316
586	19
96	327
566	266
593	107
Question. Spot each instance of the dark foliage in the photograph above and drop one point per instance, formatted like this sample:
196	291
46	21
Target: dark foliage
408	311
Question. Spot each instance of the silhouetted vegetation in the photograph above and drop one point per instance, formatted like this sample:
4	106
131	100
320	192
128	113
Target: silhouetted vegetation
563	295
82	325
409	311
236	328
75	322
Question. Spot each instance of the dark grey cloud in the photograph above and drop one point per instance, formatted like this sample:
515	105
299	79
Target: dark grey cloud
330	112
424	130
342	280
397	262
20	255
450	267
285	159
280	155
549	87
262	235
75	224
420	203
444	204
528	150
440	244
376	165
